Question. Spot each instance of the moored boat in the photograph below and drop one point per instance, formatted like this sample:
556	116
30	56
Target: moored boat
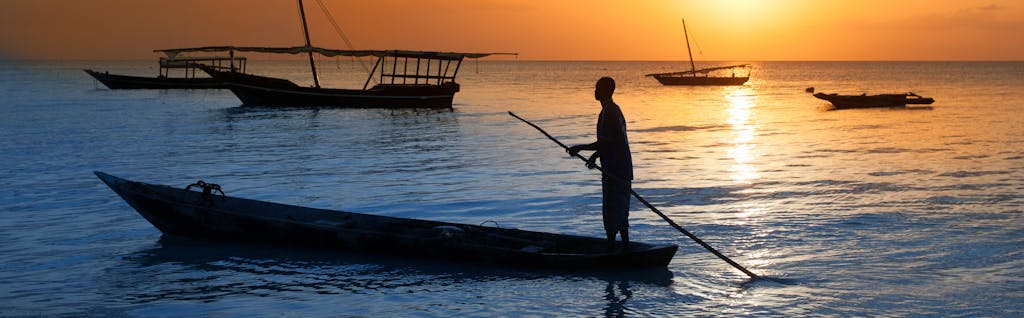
407	79
176	72
706	76
879	100
702	77
212	215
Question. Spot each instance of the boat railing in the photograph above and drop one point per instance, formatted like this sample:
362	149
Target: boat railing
392	66
419	79
191	64
414	70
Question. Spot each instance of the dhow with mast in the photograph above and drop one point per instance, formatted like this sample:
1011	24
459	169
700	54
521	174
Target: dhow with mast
740	74
405	78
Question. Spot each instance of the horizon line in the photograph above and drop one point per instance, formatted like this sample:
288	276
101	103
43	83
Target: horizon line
538	60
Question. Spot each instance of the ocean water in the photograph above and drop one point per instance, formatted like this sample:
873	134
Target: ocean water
867	212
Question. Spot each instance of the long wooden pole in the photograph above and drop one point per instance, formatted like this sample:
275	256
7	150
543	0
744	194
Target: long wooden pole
649	206
305	31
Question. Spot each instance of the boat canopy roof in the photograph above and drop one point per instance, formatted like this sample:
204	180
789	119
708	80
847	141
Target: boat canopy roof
332	52
702	71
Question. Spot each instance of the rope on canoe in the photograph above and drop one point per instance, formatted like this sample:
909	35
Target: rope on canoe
208	188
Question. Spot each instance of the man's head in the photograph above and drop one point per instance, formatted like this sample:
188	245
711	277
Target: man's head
604	88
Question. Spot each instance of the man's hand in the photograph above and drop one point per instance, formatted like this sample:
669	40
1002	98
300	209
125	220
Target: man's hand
574	150
592	162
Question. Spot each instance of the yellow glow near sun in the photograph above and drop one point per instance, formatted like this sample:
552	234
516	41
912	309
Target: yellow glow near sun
744	19
737	10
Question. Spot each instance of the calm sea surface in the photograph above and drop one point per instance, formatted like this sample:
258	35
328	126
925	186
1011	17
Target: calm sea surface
871	212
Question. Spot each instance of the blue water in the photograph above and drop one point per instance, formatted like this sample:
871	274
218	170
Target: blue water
869	212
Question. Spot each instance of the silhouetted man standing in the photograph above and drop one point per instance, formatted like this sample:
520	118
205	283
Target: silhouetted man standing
612	147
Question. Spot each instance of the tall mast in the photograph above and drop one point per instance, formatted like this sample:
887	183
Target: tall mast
693	68
305	31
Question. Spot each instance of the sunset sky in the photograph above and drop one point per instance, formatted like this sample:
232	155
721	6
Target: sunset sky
748	30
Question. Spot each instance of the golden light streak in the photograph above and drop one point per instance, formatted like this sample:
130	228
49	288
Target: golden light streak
740	112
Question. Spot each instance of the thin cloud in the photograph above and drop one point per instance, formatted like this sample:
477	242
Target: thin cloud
992	7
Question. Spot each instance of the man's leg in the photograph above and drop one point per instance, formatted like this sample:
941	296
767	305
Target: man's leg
615	209
608	214
625	195
625	238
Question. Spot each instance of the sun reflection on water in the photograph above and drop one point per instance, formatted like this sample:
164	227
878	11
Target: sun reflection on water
741	103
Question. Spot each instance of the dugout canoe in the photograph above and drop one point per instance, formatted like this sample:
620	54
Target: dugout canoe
879	100
212	215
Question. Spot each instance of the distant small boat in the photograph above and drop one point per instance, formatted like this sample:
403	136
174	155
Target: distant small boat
207	214
703	77
880	100
185	79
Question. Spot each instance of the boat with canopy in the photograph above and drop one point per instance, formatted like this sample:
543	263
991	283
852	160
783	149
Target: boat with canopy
404	78
739	75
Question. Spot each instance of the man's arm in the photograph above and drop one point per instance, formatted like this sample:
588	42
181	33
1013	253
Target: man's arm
576	149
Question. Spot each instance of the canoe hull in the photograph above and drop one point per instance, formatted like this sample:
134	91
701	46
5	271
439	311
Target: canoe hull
254	95
114	81
189	213
868	101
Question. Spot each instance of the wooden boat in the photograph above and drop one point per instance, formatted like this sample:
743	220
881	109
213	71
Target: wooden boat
695	77
407	79
188	79
212	215
880	100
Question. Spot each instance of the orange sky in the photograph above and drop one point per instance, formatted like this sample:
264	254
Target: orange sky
748	30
